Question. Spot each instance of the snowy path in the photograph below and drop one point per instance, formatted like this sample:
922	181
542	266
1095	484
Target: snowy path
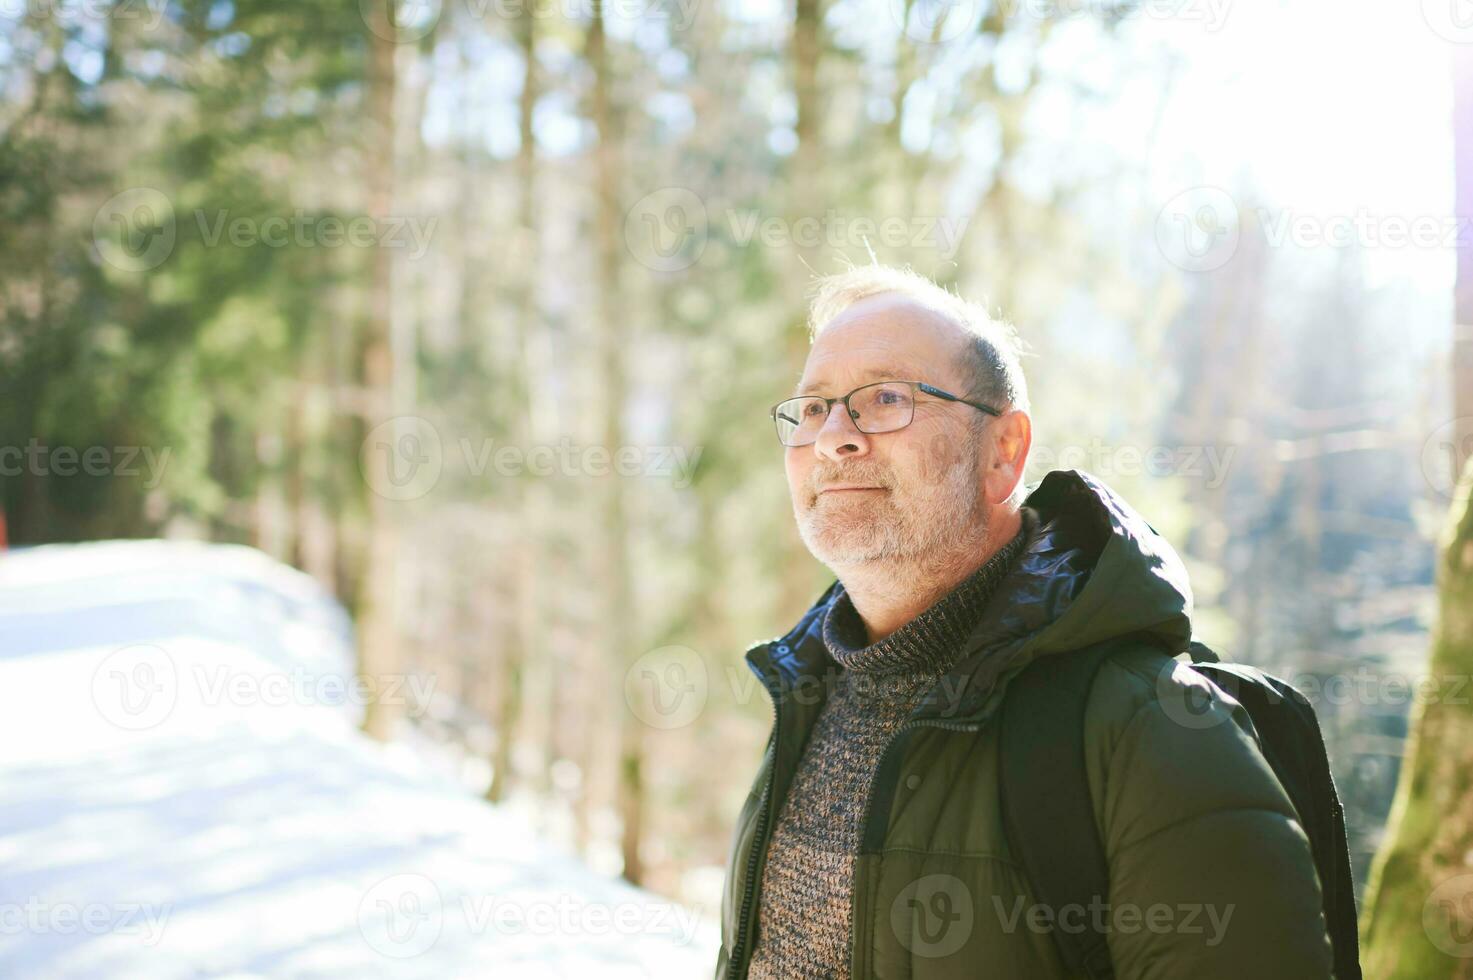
184	793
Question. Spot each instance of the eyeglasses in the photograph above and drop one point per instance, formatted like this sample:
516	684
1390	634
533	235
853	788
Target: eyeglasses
884	406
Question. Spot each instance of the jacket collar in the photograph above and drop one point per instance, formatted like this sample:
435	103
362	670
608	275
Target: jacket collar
1094	569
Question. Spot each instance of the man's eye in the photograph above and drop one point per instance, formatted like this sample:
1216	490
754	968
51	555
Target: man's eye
813	408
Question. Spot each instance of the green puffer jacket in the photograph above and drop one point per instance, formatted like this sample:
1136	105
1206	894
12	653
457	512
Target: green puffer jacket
1210	872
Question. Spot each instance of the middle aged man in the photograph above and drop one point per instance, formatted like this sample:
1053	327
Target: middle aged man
872	843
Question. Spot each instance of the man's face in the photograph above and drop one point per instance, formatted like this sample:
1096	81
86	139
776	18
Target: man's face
921	483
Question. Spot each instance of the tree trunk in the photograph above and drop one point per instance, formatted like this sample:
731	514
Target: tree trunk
618	615
1418	921
801	585
1462	440
521	380
378	620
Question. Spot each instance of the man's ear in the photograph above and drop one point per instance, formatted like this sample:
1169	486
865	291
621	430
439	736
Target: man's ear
1012	437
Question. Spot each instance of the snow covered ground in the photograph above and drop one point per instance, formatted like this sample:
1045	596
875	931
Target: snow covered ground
184	793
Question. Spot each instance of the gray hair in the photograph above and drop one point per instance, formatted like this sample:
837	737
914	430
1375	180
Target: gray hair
991	360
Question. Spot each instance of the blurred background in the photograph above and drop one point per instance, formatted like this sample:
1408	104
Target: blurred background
471	311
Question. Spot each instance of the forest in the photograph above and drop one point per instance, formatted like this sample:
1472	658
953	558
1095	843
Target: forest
473	311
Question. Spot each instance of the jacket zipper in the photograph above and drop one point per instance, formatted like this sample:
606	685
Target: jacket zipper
858	966
749	889
735	968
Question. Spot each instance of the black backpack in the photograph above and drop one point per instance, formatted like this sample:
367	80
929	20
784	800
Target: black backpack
1049	819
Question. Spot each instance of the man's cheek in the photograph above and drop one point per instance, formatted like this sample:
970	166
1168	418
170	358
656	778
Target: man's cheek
928	460
797	475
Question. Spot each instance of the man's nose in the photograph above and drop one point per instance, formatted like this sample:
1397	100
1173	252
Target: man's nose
840	437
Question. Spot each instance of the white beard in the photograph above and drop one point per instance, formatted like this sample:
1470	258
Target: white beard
908	528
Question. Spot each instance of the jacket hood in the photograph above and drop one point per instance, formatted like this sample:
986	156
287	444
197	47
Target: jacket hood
1094	570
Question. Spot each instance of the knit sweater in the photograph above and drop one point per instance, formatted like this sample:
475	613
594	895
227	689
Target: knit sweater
803	921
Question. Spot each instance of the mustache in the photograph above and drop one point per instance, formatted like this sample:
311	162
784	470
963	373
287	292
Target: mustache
867	475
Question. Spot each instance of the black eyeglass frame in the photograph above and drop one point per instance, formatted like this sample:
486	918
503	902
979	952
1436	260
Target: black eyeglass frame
914	385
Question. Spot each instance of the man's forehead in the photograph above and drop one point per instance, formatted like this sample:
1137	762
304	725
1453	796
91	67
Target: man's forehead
875	372
884	337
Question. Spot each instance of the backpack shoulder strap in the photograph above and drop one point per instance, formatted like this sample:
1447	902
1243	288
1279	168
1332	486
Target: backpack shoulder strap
1047	813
